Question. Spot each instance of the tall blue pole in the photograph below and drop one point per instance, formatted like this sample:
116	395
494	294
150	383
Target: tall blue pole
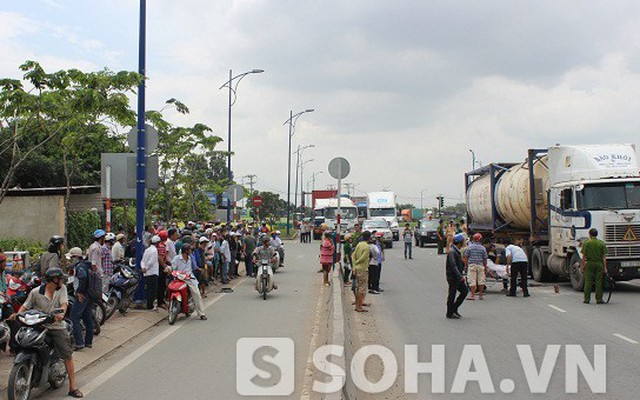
229	148
141	156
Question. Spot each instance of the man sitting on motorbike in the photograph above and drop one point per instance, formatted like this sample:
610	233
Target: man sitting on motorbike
278	245
48	297
266	252
182	263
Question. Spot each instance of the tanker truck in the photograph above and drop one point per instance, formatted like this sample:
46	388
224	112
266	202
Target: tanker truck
551	200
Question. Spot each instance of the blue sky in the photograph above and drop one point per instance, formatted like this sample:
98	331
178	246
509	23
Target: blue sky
402	89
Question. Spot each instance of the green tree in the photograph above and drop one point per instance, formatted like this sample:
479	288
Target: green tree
272	205
56	123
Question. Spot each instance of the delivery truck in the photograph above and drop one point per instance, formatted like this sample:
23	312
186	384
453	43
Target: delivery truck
551	200
383	204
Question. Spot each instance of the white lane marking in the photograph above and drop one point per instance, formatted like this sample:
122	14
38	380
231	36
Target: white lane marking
556	308
309	369
140	351
625	338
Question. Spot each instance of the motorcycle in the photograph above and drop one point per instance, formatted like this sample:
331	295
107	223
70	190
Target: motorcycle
6	309
36	361
179	296
122	287
264	278
19	286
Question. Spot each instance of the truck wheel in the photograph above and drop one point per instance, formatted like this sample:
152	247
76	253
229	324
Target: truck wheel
539	271
576	276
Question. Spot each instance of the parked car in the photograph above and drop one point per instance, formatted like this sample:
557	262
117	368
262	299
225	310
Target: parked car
382	226
427	232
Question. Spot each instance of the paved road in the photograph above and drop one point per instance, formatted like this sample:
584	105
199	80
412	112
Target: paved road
412	311
197	359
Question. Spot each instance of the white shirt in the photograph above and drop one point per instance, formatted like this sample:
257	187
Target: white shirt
226	252
117	252
178	263
93	255
171	250
516	253
149	263
374	254
276	242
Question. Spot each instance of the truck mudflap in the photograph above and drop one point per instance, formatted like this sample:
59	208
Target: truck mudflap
623	270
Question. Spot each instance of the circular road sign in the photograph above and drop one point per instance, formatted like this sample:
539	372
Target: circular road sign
257	201
339	168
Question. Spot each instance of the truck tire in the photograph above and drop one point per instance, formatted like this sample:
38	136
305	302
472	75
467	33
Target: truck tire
539	271
576	276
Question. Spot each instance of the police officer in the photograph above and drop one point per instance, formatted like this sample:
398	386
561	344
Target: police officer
593	265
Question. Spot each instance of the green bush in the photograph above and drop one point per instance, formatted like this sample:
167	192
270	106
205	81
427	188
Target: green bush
34	248
80	226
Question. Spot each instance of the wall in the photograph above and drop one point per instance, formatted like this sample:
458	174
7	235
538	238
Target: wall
32	217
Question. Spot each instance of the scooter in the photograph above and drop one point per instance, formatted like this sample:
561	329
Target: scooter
36	361
6	309
19	286
122	287
179	296
264	278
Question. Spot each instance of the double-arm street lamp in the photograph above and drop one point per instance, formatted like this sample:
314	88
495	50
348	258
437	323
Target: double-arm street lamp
298	156
291	122
232	84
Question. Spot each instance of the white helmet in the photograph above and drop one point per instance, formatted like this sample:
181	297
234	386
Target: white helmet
110	237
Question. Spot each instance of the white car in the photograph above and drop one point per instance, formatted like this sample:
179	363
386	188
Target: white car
381	226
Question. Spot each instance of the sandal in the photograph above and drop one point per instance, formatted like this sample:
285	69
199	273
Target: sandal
362	310
76	393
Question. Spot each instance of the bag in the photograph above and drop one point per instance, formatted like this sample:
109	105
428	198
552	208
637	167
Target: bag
94	285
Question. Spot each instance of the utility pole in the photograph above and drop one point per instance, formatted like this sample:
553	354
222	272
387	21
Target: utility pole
251	178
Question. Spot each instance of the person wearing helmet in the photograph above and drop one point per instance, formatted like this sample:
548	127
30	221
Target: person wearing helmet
52	257
475	261
106	259
94	253
150	267
455	277
266	252
184	263
50	296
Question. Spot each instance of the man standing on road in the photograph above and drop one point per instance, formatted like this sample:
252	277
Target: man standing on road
150	267
593	265
455	279
518	263
441	237
407	235
361	257
475	260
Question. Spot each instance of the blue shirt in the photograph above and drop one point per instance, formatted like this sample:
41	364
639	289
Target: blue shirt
476	254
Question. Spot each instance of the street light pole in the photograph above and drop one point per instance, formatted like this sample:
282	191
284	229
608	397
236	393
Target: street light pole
301	180
295	191
291	121
232	99
473	159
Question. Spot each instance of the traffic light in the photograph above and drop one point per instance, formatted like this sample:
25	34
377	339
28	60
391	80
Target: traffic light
440	201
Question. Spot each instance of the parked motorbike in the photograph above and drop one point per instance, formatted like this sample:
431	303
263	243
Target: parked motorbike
122	286
6	309
264	278
19	286
36	361
179	296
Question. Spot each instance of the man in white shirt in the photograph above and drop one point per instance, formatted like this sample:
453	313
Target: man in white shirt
517	263
225	252
94	252
151	268
117	251
171	244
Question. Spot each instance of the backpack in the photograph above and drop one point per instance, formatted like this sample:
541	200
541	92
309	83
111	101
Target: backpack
94	285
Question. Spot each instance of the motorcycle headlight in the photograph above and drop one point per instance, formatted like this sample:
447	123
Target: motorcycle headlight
32	319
